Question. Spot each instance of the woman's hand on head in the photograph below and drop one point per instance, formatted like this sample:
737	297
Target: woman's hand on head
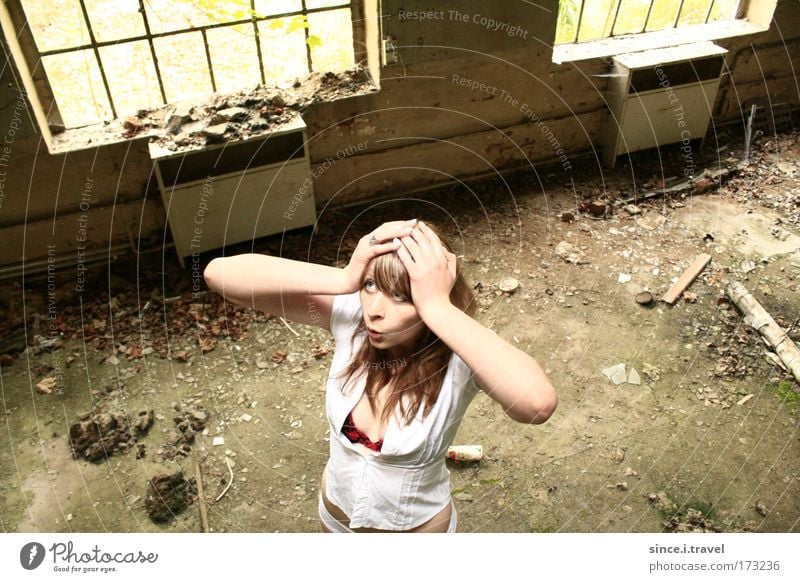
431	268
378	242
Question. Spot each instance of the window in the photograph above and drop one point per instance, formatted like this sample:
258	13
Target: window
582	20
600	28
105	59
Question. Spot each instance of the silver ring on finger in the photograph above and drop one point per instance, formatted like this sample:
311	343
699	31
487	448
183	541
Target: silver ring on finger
373	241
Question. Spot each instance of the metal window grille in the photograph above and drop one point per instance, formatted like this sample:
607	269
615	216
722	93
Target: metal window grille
94	45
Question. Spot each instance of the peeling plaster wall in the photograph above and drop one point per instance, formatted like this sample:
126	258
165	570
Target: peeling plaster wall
432	122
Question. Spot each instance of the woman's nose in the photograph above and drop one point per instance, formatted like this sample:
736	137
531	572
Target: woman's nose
376	306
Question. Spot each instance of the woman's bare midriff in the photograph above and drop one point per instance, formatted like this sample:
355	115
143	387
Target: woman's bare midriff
437	524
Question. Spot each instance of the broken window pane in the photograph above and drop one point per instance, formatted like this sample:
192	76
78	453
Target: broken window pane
598	16
115	19
78	87
331	40
131	76
171	15
283	50
723	10
663	14
56	24
693	12
270	7
183	64
326	3
631	16
234	57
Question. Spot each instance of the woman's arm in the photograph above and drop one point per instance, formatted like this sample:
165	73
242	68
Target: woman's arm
507	374
302	292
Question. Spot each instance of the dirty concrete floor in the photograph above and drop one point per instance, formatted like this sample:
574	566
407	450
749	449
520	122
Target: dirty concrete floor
613	458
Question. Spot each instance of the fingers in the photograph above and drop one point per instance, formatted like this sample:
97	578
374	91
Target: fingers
389	230
452	263
429	243
405	256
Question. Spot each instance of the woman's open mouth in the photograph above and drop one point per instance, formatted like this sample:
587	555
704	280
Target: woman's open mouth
374	335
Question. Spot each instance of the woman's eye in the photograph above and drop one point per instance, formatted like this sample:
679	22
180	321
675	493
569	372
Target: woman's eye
400	298
369	284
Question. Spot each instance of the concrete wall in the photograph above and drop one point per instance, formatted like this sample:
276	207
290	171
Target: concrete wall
474	92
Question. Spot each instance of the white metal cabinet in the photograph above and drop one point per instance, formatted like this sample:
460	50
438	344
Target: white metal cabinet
661	96
237	191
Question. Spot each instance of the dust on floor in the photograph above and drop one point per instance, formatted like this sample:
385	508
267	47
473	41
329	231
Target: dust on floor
706	441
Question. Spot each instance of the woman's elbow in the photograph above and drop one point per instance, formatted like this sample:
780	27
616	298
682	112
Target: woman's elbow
540	408
212	274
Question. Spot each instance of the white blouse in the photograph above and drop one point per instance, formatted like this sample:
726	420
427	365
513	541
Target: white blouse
406	483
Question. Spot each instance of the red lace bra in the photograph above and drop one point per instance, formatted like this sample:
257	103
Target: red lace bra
354	435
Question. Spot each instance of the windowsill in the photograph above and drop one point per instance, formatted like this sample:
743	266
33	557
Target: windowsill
316	88
606	47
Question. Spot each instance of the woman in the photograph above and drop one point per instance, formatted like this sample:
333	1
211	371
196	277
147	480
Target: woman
408	361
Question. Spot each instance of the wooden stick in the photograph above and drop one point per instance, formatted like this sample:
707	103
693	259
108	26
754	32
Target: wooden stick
686	279
286	323
201	495
228	486
761	321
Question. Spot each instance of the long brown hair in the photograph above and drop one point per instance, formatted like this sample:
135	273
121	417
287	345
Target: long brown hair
414	381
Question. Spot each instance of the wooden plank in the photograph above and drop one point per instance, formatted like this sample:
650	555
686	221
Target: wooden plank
686	279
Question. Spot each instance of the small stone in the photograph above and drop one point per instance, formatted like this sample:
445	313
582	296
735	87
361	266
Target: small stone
661	502
633	377
229	114
567	252
215	133
218	441
245	417
632	209
597	208
463	497
652	373
644	298
623	278
508	285
622	486
762	509
144	420
46	386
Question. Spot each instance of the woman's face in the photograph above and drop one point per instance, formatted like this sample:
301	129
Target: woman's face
392	321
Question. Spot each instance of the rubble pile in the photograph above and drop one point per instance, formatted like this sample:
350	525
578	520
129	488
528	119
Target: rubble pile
187	421
97	436
168	495
237	116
